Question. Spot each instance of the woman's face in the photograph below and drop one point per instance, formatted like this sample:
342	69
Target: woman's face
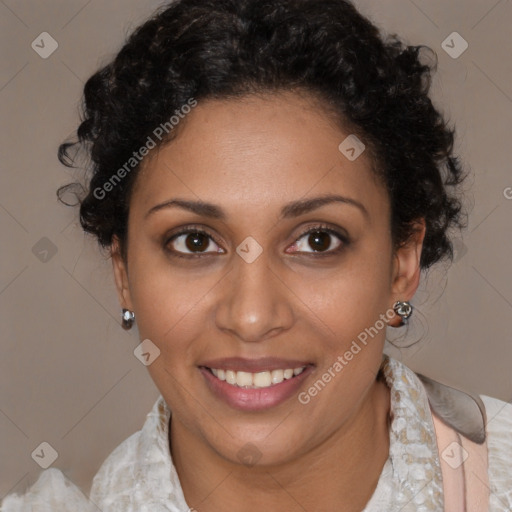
256	293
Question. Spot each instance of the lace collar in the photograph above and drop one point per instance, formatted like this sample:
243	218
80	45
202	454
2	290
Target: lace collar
413	452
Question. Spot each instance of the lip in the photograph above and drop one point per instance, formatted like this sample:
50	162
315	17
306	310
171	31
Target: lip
240	364
257	399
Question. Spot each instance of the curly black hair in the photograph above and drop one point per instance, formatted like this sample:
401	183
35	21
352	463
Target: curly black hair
219	49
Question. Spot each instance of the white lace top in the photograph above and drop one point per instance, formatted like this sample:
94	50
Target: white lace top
139	475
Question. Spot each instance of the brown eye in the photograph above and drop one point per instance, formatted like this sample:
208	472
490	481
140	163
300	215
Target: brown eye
191	242
320	240
196	241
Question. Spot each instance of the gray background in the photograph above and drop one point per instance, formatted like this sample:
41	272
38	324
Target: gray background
68	375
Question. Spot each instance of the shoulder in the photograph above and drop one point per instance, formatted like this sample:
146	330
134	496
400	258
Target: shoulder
112	485
499	443
52	491
117	473
479	418
129	462
139	473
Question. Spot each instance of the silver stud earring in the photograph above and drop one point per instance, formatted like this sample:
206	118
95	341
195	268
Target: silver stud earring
128	317
404	310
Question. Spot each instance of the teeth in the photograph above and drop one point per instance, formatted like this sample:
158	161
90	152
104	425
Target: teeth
256	380
230	377
243	379
277	376
262	379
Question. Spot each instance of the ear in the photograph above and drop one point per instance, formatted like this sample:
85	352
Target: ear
406	267
120	275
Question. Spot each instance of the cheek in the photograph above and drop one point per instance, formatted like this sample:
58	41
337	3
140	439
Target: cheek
170	304
171	312
351	298
352	306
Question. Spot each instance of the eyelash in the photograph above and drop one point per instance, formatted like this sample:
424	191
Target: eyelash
197	230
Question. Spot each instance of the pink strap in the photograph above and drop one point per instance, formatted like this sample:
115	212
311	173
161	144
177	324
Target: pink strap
477	479
464	470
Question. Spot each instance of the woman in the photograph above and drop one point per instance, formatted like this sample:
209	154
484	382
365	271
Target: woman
270	179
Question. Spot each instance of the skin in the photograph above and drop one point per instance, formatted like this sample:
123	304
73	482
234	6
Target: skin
252	156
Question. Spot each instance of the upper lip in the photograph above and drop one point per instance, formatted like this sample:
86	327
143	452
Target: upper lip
239	364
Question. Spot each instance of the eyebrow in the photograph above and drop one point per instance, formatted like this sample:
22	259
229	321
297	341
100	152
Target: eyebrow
290	210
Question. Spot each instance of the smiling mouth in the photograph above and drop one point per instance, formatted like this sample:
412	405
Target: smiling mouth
258	380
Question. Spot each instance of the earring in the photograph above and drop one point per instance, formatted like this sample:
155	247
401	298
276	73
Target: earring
404	310
128	318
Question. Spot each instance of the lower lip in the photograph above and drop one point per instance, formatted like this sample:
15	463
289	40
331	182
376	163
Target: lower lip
254	399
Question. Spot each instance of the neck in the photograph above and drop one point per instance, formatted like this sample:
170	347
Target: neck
341	472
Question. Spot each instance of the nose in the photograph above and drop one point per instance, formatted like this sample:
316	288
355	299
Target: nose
255	303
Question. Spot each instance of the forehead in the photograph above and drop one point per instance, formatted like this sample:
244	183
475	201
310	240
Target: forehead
257	152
